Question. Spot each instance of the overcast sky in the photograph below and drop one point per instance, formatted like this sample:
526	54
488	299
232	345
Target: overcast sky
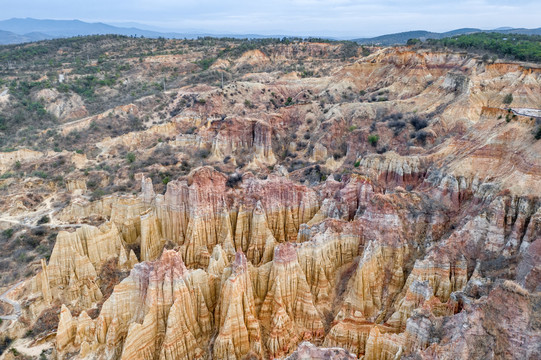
354	18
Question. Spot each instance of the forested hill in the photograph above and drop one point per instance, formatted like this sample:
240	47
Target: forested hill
512	46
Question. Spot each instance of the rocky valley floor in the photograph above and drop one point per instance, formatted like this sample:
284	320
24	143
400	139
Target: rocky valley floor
225	199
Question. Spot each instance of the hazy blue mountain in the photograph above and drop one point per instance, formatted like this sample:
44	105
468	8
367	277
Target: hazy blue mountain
460	32
16	30
522	31
27	29
132	24
37	36
403	37
67	28
8	37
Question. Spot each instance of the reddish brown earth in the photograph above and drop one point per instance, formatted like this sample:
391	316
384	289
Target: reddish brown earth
249	225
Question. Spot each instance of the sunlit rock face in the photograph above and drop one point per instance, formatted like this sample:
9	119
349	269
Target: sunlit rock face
259	268
71	274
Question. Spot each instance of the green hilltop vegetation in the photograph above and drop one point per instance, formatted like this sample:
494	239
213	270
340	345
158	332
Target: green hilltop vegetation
513	46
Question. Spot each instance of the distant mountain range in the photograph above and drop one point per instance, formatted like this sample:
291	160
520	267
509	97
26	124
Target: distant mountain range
16	31
403	37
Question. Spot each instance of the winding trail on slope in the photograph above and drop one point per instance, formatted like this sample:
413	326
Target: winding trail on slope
26	221
16	306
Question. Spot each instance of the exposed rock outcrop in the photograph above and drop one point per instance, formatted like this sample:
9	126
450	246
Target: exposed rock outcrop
430	250
238	329
72	271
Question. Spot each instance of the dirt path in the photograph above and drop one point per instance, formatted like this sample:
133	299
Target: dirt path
536	113
15	304
45	209
52	226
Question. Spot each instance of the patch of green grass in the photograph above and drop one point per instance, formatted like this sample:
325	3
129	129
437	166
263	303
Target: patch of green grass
40	174
130	157
373	139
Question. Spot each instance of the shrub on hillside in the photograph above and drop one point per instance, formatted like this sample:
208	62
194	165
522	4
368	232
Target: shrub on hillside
418	123
373	139
233	180
508	99
538	133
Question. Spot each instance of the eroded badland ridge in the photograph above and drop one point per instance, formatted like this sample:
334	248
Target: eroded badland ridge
318	201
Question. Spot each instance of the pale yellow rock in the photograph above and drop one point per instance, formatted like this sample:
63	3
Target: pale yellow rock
147	190
203	234
79	160
263	153
142	338
188	327
281	334
8	159
85	350
393	167
235	316
321	256
383	346
378	279
80	208
367	291
319	153
85	329
157	312
76	184
173	211
139	139
67	329
218	262
43	279
432	276
287	283
124	211
126	215
259	245
152	241
76	257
